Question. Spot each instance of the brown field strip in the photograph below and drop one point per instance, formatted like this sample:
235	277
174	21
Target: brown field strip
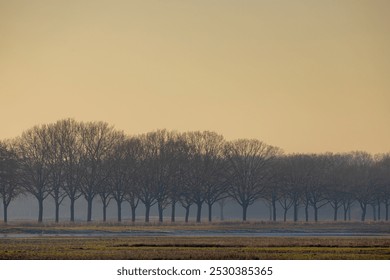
196	248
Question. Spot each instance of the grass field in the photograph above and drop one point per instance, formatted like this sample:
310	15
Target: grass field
360	227
196	247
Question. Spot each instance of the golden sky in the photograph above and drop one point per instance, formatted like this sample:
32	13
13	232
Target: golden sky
306	76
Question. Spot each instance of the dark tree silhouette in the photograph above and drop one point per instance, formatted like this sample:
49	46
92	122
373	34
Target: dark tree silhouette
73	159
384	181
156	170
34	153
122	181
9	175
68	137
204	177
275	190
56	160
336	184
179	169
362	164
317	182
249	170
98	141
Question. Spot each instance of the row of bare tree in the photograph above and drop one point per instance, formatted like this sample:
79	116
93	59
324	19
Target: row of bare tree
70	159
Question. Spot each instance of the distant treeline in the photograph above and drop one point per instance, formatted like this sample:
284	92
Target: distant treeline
70	159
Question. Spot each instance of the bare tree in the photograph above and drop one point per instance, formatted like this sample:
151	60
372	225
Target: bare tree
98	141
147	175
297	171
104	188
117	182
216	185
204	178
133	199
104	191
385	167
165	168
337	183
382	183
122	181
156	168
194	190
179	169
276	188
146	190
34	153
68	137
249	165
285	201
361	180
317	182
133	158
186	199
56	161
301	180
9	174
215	168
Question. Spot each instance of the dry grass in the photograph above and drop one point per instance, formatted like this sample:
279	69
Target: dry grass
201	247
196	248
366	227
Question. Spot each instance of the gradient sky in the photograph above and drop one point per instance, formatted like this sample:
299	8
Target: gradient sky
306	76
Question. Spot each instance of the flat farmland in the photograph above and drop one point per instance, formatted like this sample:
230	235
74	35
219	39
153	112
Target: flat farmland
196	241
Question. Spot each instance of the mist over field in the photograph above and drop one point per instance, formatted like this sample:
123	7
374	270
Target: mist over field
26	209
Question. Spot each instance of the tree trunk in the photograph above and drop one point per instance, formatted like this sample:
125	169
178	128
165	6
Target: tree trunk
160	213
57	211
105	198
336	209
244	211
187	213
89	209
104	211
72	201
315	213
374	211
345	214
274	209
387	210
285	215
147	212
364	209
295	212
210	206
119	207
199	212
379	211
40	211
5	214
133	208
307	212
173	212
349	212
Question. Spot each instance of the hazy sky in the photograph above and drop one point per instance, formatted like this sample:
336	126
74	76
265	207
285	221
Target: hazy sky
307	76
